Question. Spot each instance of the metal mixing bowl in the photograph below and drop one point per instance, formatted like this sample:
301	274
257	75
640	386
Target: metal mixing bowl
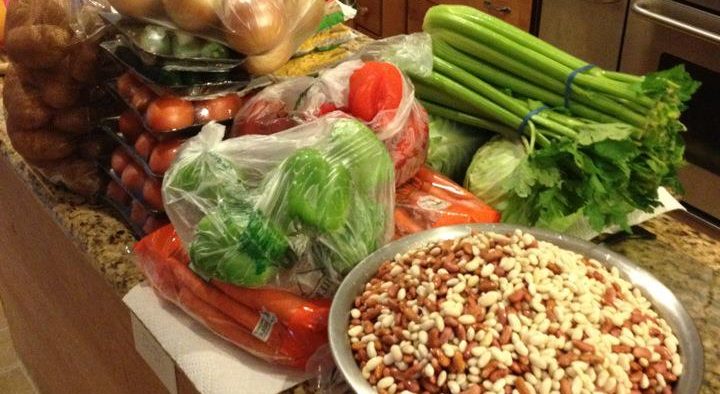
663	300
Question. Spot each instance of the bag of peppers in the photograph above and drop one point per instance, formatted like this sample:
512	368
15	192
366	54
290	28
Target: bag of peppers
375	92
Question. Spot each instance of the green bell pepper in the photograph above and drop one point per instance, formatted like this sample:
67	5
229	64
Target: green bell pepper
319	192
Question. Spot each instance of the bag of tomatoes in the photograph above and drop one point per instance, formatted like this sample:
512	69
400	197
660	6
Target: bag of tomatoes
164	114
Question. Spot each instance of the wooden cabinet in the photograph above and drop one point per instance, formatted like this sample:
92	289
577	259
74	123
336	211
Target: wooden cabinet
383	18
515	12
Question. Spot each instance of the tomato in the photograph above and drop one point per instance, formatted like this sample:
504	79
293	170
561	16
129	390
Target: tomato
144	145
119	160
152	223
141	98
220	108
138	213
117	193
263	117
374	87
170	113
164	154
152	194
133	178
126	85
326	108
130	126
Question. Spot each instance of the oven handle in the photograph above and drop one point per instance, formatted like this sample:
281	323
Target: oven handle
640	6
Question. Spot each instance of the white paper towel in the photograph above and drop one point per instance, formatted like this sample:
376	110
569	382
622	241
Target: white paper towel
667	203
213	365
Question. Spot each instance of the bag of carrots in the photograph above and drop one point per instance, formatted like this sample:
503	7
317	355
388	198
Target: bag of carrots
275	325
431	200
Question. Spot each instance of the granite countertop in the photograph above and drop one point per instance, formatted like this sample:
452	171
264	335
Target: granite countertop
685	260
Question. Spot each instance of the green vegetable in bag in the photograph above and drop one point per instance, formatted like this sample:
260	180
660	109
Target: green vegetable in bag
237	244
357	238
186	45
492	172
452	146
362	152
156	40
208	176
319	193
214	50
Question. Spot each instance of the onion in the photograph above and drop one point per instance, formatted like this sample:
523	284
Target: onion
271	60
192	15
255	26
137	8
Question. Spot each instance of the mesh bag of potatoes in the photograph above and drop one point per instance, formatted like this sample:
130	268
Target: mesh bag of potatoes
50	93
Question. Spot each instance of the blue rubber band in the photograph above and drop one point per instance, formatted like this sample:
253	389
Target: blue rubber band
529	116
570	79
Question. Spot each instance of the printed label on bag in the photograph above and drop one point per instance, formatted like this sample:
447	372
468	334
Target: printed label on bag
432	203
264	326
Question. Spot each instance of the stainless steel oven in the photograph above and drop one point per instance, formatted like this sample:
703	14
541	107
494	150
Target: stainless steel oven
660	34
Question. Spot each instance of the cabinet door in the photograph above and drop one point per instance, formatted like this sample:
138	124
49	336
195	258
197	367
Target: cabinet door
590	30
515	12
416	14
369	16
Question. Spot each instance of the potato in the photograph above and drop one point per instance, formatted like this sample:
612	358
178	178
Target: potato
30	77
95	146
38	46
79	175
75	121
40	144
35	12
23	103
61	91
85	62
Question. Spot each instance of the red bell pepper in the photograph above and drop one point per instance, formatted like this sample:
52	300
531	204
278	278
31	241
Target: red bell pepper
374	87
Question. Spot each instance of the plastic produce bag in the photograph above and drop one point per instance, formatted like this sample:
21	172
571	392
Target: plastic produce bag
452	146
275	325
376	93
431	200
50	91
268	31
294	210
167	115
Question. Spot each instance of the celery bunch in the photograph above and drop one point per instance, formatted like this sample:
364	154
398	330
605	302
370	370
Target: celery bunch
600	150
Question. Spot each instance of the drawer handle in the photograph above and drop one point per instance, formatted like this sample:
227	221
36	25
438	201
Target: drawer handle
501	9
673	18
362	11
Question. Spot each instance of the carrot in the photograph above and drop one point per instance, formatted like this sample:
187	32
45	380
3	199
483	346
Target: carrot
165	263
155	257
279	336
243	315
305	319
404	223
228	329
428	176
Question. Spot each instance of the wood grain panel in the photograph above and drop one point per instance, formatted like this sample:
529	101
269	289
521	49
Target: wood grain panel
515	12
416	14
69	327
394	15
369	16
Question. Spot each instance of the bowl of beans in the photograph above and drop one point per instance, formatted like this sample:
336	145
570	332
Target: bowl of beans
496	308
